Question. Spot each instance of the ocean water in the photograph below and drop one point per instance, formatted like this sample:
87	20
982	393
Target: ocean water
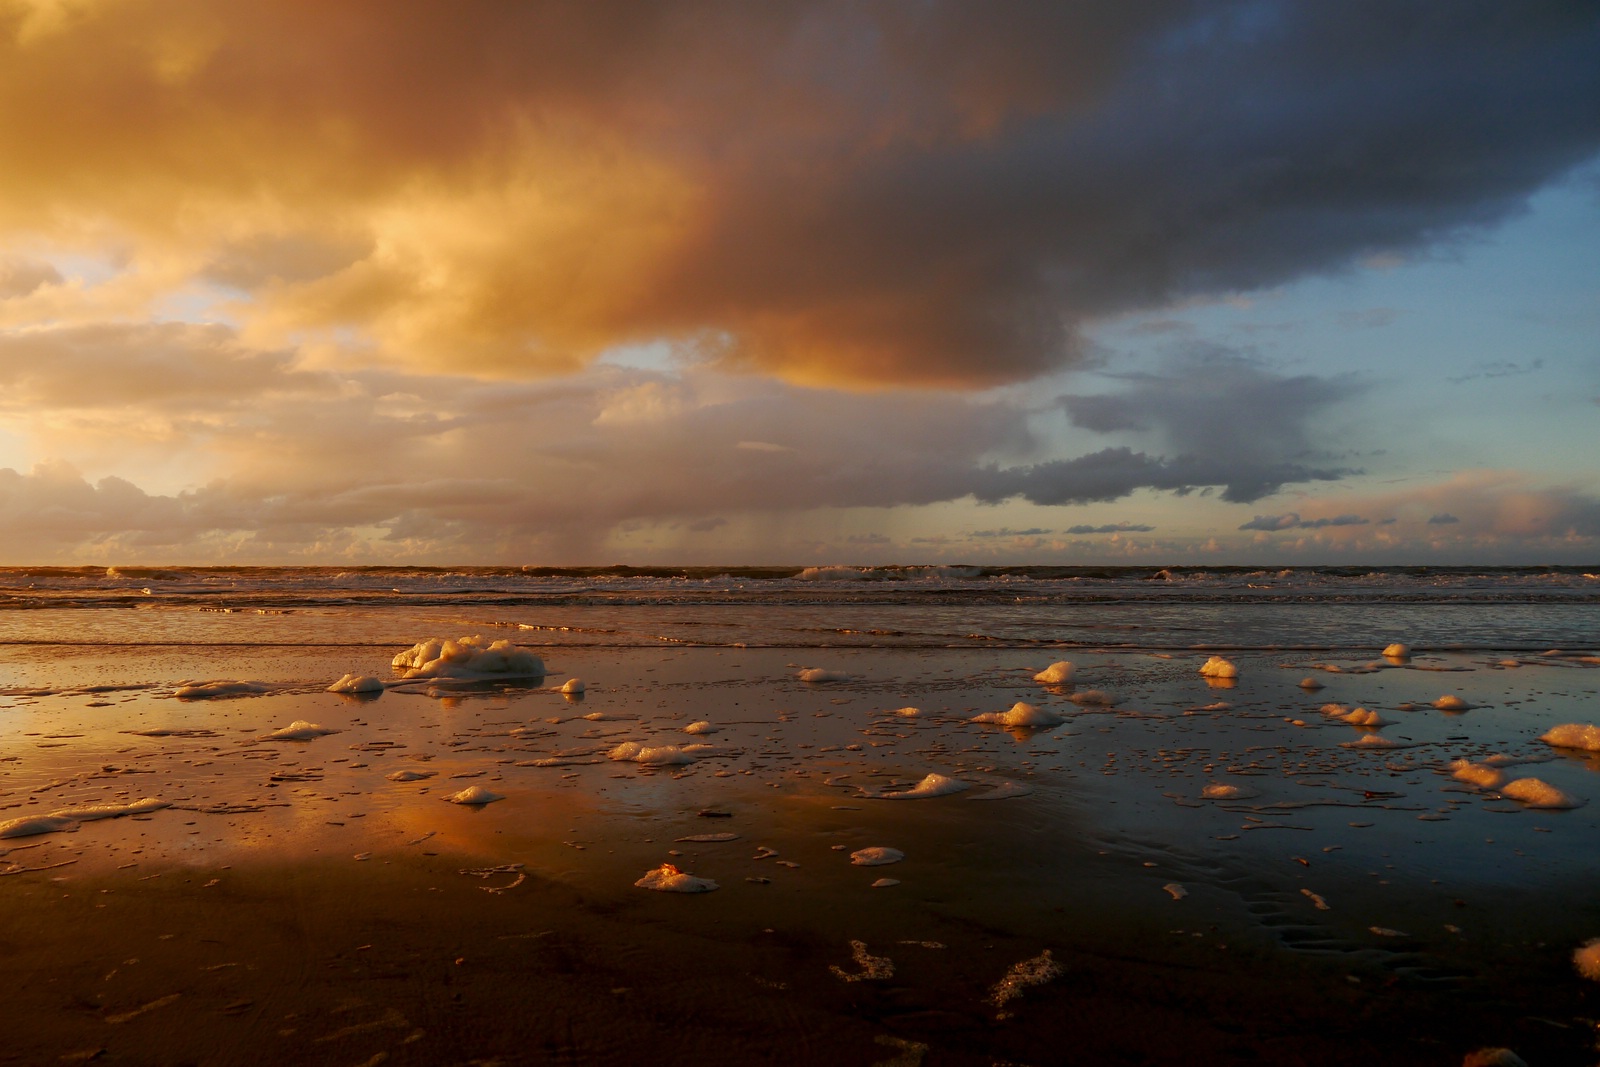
1154	816
1334	609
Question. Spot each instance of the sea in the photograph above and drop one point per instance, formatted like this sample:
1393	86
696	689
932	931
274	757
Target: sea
1329	609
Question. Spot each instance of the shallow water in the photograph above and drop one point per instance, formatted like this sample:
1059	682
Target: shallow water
1369	867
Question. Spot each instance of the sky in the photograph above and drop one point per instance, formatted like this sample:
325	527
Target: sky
390	281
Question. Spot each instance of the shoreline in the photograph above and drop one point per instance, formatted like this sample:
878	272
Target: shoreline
304	906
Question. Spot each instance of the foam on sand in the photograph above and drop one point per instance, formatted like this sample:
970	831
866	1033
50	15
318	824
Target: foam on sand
573	686
1055	674
299	730
1450	702
1021	714
873	968
1536	793
908	713
1365	717
467	657
668	879
409	776
818	674
1024	975
1586	958
475	795
1586	738
1227	791
213	689
1479	774
934	785
658	756
357	683
1397	650
701	728
69	818
1218	667
876	856
1094	698
1310	685
1374	741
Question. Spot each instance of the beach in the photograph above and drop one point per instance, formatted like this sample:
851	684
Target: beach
906	852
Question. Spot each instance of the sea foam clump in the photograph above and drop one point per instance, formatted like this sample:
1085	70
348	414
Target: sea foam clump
357	683
668	879
1021	714
658	756
574	687
467	657
475	796
1055	674
1586	958
1479	774
1573	735
1536	793
934	785
876	856
1397	650
69	818
299	730
818	674
1094	698
1217	667
1450	702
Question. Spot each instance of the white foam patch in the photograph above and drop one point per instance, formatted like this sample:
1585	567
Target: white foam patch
818	674
1227	791
67	819
1374	741
1397	650
701	728
409	776
668	879
1536	793
1094	698
213	689
1451	703
1365	717
357	683
658	756
1021	714
908	713
707	839
1586	958
1055	674
467	657
573	686
1573	735
1218	667
1175	891
934	785
474	795
873	968
885	883
1005	791
1024	975
876	856
299	730
1311	685
1479	774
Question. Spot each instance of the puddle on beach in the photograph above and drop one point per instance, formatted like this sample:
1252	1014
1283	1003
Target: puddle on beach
1179	820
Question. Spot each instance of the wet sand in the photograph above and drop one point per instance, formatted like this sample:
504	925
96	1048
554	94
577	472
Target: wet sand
295	904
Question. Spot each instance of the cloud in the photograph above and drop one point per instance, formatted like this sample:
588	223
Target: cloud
1442	519
1120	527
830	192
1292	521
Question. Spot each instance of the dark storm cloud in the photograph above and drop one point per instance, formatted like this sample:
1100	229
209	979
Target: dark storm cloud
878	193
